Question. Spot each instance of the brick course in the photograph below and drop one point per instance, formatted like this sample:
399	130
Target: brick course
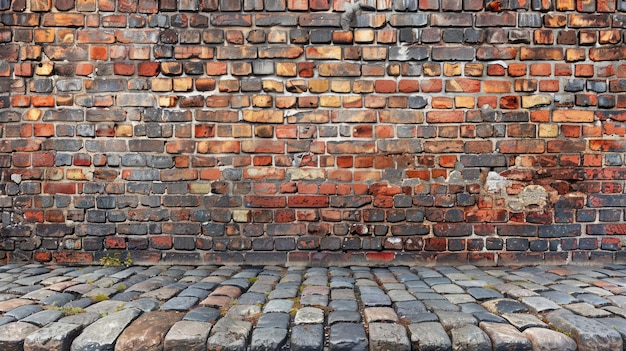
313	132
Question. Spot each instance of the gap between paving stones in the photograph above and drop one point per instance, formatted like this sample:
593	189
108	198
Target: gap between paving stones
52	307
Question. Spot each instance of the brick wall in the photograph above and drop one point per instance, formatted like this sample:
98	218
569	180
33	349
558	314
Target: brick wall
313	132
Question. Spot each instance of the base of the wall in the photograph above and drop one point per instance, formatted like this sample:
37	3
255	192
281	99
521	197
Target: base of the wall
326	259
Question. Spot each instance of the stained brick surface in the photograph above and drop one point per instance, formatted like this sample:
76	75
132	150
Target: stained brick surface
330	130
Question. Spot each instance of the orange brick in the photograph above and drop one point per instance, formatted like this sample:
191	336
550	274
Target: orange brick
576	116
491	101
497	86
216	68
540	69
562	69
24	69
583	70
442	102
20	101
591	160
44	129
408	86
551	85
44	35
98	53
43	101
344	161
496	70
123	69
431	85
516	69
84	69
570	131
385	86
447	161
540	116
509	102
384	131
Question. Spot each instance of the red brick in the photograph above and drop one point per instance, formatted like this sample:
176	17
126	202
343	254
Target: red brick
521	146
163	242
115	243
123	69
72	257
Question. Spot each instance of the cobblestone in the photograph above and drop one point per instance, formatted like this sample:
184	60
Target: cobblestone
363	312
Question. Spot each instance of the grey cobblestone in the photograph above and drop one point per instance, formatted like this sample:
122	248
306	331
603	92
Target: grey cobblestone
337	308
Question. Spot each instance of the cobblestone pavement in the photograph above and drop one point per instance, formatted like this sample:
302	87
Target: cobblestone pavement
47	307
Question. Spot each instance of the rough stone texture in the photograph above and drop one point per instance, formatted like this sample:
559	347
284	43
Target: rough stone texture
309	315
387	336
55	336
308	337
429	336
470	337
348	336
506	337
103	333
588	333
229	334
546	339
187	335
266	339
12	335
148	331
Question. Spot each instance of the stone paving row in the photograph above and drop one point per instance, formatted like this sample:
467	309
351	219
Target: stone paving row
46	307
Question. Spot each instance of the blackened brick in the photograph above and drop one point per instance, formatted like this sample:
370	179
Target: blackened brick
539	245
494	243
452	229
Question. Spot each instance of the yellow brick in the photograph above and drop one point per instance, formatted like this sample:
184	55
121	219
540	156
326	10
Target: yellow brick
451	69
364	36
168	101
572	116
241	216
34	114
363	86
474	69
183	84
286	101
326	52
161	84
286	69
431	69
199	188
44	68
340	86
263	116
242	131
262	101
374	53
548	130
277	36
536	100
394	69
575	55
464	101
273	86
75	174
124	130
351	100
330	101
318	85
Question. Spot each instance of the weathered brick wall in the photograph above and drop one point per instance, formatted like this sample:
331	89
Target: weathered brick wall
313	132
